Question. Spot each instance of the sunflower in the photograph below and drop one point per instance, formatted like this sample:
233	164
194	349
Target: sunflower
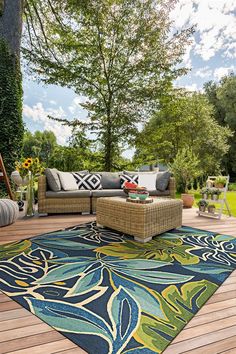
36	160
29	160
26	165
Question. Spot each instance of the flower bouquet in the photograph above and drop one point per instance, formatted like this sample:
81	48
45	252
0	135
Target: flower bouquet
29	169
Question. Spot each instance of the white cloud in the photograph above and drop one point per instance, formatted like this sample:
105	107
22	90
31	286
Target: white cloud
39	114
223	71
192	87
75	106
204	72
52	102
215	22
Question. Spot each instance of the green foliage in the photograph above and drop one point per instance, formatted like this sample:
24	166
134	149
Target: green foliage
184	121
185	168
223	98
11	132
120	54
220	180
39	144
202	202
232	187
81	154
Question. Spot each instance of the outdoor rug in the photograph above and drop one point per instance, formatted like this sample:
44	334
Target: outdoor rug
109	294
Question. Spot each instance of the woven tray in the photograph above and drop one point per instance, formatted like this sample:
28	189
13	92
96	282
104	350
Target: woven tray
138	201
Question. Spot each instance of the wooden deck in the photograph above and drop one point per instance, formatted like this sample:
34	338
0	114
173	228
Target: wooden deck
211	331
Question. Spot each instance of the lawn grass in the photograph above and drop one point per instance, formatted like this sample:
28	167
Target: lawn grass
231	198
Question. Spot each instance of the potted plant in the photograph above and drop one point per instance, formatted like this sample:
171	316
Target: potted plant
215	192
220	182
211	208
185	168
205	192
202	204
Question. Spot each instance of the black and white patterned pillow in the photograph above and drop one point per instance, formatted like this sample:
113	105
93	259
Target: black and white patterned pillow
88	181
128	178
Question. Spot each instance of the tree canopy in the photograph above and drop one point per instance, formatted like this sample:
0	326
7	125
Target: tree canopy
121	55
184	120
222	96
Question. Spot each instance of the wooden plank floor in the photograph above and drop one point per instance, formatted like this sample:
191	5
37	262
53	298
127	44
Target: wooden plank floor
211	331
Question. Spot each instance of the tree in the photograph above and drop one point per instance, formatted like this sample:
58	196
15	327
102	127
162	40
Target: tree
223	97
39	144
11	132
184	120
185	167
120	54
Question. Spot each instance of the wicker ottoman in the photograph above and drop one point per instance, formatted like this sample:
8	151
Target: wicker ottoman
143	221
9	212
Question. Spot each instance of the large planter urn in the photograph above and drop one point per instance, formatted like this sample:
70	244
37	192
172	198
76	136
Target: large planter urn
188	200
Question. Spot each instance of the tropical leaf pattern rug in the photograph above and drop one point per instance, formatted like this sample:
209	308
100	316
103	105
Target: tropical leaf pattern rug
109	294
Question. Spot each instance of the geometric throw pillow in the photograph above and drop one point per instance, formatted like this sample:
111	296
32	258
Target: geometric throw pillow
128	178
88	181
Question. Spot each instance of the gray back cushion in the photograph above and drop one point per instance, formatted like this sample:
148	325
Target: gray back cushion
53	180
162	180
110	180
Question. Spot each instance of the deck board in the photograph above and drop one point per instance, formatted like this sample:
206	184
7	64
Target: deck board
211	331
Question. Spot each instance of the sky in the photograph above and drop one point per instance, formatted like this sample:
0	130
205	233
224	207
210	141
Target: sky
211	56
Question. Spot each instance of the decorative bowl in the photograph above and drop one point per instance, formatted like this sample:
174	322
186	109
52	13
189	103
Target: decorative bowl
133	195
143	196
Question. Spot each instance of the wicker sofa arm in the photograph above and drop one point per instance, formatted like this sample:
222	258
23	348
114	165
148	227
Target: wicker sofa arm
172	187
42	187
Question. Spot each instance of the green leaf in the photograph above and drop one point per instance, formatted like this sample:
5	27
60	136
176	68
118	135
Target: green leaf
70	318
145	297
63	244
157	277
87	282
64	272
121	305
14	248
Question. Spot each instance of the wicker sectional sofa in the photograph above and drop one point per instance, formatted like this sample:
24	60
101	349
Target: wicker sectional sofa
83	201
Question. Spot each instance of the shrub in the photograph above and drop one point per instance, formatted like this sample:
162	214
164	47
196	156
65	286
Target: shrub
11	132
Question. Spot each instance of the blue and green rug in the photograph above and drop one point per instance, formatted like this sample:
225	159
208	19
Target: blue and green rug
109	294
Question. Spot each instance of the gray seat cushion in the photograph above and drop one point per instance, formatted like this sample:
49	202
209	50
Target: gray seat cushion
108	193
162	180
69	194
53	180
110	180
159	193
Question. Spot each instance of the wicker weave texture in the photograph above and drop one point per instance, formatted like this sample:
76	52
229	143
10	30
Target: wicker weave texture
73	205
139	220
171	187
59	205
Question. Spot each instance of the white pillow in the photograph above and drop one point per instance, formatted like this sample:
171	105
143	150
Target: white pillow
68	181
148	180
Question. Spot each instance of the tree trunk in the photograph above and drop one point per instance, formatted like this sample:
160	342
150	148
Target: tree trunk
108	155
108	144
11	13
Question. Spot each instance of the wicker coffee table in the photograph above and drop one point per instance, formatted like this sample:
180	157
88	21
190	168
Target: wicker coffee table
143	221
